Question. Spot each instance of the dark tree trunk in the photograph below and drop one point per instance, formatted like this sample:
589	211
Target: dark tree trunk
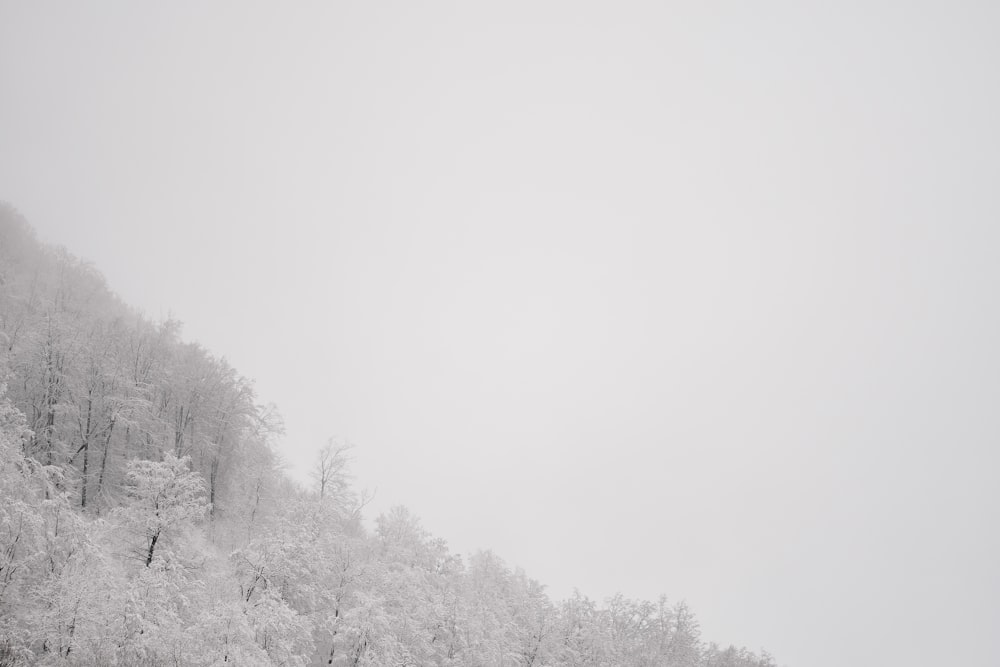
152	546
104	457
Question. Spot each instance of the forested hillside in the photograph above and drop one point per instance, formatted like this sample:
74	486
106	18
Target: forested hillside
145	519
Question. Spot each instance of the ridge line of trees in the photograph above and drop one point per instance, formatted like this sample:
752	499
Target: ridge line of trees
145	519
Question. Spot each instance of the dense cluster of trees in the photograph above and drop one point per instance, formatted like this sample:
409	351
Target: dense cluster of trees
145	520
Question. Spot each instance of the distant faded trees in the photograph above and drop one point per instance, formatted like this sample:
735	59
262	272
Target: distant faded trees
101	385
330	469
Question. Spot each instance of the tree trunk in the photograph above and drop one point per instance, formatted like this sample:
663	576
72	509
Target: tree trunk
333	638
104	457
152	545
83	484
212	478
86	453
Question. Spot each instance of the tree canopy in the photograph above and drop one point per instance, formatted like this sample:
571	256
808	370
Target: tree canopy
145	519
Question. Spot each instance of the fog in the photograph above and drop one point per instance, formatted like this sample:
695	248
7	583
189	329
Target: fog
685	298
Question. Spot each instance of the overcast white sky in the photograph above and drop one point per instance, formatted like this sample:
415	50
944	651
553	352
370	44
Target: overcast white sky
693	298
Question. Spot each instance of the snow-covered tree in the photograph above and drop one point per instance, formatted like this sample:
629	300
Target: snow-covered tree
164	496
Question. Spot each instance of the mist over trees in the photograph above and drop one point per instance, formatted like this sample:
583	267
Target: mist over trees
145	519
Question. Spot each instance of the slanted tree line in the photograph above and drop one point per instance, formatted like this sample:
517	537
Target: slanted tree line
145	520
